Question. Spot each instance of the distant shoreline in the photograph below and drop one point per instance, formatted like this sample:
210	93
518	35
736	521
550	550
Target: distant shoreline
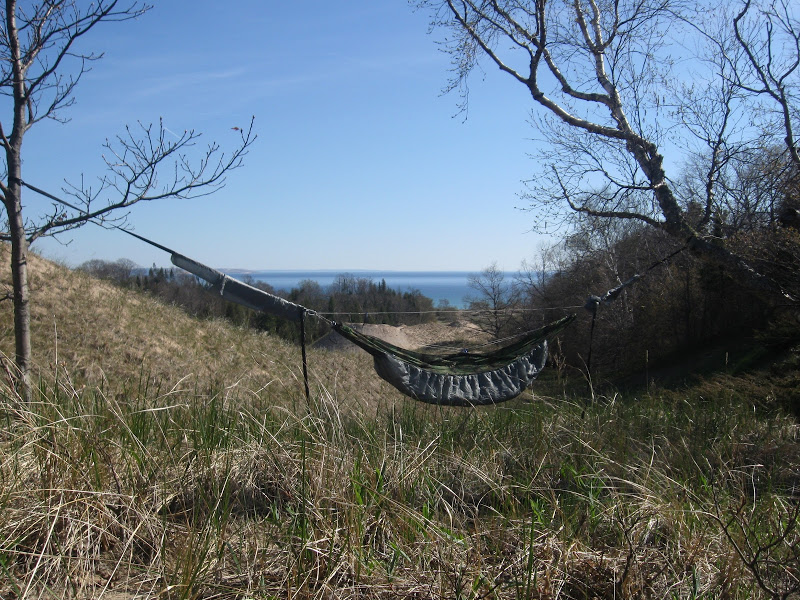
451	286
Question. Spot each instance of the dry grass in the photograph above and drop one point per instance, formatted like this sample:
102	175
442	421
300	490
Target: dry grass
175	458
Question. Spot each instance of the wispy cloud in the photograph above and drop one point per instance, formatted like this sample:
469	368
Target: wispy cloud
184	80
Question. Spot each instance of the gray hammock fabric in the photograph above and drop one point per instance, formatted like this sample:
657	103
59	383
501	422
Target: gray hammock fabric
235	291
477	389
461	379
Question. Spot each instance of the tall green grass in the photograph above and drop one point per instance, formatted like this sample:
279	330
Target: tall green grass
208	491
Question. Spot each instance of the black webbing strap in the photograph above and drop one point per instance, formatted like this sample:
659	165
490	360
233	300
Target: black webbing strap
591	336
593	302
303	351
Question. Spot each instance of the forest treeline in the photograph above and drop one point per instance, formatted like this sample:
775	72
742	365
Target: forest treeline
349	298
677	308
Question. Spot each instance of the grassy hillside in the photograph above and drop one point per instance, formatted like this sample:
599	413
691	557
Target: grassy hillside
176	458
102	336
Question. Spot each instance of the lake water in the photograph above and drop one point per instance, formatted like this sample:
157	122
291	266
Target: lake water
437	285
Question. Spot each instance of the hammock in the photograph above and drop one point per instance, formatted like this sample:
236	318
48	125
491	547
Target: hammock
453	380
461	379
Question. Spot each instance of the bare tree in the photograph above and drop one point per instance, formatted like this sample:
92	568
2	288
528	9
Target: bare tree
492	301
42	64
768	34
118	271
748	124
534	275
610	103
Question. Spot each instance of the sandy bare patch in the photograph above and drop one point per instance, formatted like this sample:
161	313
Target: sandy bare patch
388	333
430	336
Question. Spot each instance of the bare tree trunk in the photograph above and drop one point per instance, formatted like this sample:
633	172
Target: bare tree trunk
13	204
19	270
676	225
22	314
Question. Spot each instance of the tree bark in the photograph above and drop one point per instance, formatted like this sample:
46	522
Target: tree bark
12	199
22	314
19	269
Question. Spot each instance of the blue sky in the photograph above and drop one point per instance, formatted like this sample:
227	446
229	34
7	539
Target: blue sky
360	162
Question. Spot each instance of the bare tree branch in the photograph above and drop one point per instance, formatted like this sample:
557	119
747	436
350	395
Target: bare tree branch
600	73
771	43
40	66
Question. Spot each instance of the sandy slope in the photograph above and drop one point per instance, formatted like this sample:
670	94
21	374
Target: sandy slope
432	336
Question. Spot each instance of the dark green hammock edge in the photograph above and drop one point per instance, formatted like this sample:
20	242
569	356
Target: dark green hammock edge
461	363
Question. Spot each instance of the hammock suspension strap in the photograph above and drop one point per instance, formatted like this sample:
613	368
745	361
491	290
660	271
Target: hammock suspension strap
594	302
303	352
